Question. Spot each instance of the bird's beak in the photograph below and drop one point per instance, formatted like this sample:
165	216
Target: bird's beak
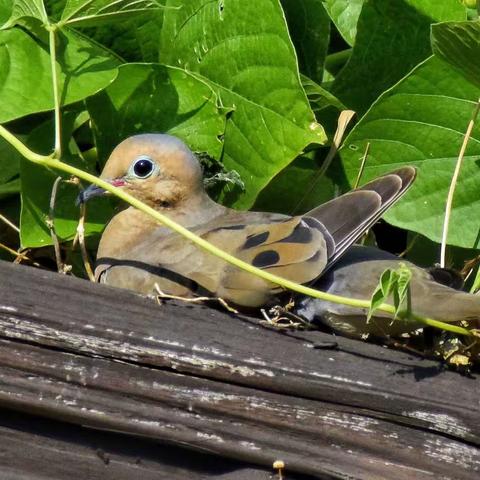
93	191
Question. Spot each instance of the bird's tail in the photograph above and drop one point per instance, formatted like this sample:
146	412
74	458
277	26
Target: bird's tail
347	217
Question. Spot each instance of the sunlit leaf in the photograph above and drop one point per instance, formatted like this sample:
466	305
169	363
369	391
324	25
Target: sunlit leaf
270	121
25	9
93	12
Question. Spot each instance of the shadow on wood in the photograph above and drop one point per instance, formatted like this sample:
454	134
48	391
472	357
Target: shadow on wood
190	376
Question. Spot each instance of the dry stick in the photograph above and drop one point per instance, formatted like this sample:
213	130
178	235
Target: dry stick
362	165
18	255
9	223
343	121
51	226
409	246
453	184
80	235
357	182
81	242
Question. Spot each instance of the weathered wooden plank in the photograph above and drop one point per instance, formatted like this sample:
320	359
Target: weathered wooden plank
72	314
32	448
360	411
237	422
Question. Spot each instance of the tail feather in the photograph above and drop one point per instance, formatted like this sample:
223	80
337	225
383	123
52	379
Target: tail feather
347	217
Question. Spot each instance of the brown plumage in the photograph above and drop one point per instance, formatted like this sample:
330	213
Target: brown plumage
135	252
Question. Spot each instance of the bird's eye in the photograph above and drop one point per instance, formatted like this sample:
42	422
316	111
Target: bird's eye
143	167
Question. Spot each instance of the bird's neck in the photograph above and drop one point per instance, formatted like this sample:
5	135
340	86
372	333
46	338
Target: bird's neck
130	226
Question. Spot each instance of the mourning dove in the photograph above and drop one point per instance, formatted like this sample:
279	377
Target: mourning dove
357	274
135	252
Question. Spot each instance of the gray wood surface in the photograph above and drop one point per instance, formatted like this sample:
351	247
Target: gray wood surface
222	384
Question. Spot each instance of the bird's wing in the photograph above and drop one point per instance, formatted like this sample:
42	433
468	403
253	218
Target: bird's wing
291	248
347	217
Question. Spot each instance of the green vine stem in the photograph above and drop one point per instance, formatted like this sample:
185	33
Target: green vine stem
52	31
51	162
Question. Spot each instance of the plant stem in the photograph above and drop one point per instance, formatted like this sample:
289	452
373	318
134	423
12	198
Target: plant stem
52	30
453	184
49	161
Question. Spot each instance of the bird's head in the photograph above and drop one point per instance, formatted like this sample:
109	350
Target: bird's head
158	169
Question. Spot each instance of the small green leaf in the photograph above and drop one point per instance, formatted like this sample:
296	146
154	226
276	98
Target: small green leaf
458	43
93	12
393	284
319	98
382	292
402	290
344	14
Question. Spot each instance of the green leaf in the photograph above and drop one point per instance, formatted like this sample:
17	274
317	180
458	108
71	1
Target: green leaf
344	14
393	36
392	283
402	289
26	9
155	98
382	292
5	10
10	188
422	122
458	43
309	28
321	99
242	50
318	97
9	161
284	193
36	188
134	39
83	68
93	12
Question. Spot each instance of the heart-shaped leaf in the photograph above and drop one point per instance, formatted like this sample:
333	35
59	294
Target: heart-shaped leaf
422	122
26	78
393	36
270	121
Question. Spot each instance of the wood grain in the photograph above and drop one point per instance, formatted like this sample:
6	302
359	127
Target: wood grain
193	376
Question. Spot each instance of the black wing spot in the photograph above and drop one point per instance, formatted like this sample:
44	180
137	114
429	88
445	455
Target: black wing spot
299	235
255	240
230	227
266	259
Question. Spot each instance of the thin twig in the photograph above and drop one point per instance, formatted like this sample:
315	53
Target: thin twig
343	121
19	256
166	296
453	184
9	223
51	226
409	246
362	165
81	241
